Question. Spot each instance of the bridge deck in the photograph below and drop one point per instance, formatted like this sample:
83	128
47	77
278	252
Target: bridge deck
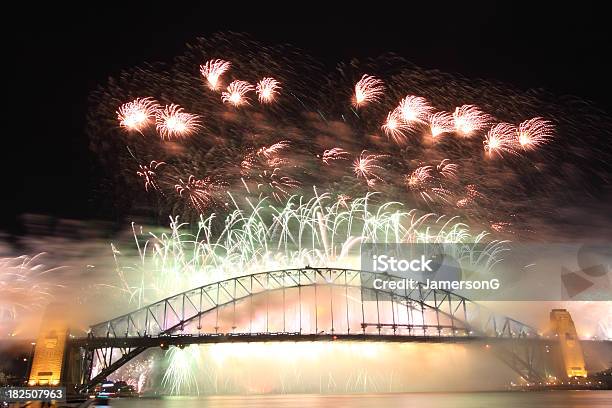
187	339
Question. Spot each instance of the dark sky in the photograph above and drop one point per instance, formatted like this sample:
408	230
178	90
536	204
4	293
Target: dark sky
57	55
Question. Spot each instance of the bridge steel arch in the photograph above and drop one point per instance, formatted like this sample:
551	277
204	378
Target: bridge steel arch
411	314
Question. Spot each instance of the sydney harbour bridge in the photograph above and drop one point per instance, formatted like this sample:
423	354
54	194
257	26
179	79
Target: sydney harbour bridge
297	305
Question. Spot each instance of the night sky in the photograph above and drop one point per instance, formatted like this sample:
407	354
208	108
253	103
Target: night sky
57	56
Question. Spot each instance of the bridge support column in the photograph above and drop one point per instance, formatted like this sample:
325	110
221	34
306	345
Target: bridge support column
563	327
50	349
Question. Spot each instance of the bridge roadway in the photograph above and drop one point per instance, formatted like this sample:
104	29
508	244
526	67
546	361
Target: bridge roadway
188	339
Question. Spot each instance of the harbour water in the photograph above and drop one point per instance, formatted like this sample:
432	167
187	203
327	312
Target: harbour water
557	399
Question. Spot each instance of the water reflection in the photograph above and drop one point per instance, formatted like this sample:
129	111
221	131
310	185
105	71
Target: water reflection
561	399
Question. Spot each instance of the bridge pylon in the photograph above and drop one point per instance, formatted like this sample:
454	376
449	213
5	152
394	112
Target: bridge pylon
563	327
47	367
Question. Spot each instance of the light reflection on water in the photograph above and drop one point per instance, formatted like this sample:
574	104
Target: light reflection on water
560	399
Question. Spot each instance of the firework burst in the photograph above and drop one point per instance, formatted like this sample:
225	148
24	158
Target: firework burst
212	71
174	122
336	153
272	151
501	139
414	109
181	375
136	373
276	183
321	131
147	172
440	123
24	285
267	90
469	119
395	128
534	132
201	193
464	202
447	169
419	177
265	156
500	226
138	114
368	89
427	186
471	195
366	166
236	93
343	200
418	181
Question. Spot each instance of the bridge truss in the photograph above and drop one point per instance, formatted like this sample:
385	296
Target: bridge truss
302	305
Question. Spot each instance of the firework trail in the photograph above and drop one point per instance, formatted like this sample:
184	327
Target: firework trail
180	377
265	168
212	71
420	176
24	285
368	89
429	182
262	236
